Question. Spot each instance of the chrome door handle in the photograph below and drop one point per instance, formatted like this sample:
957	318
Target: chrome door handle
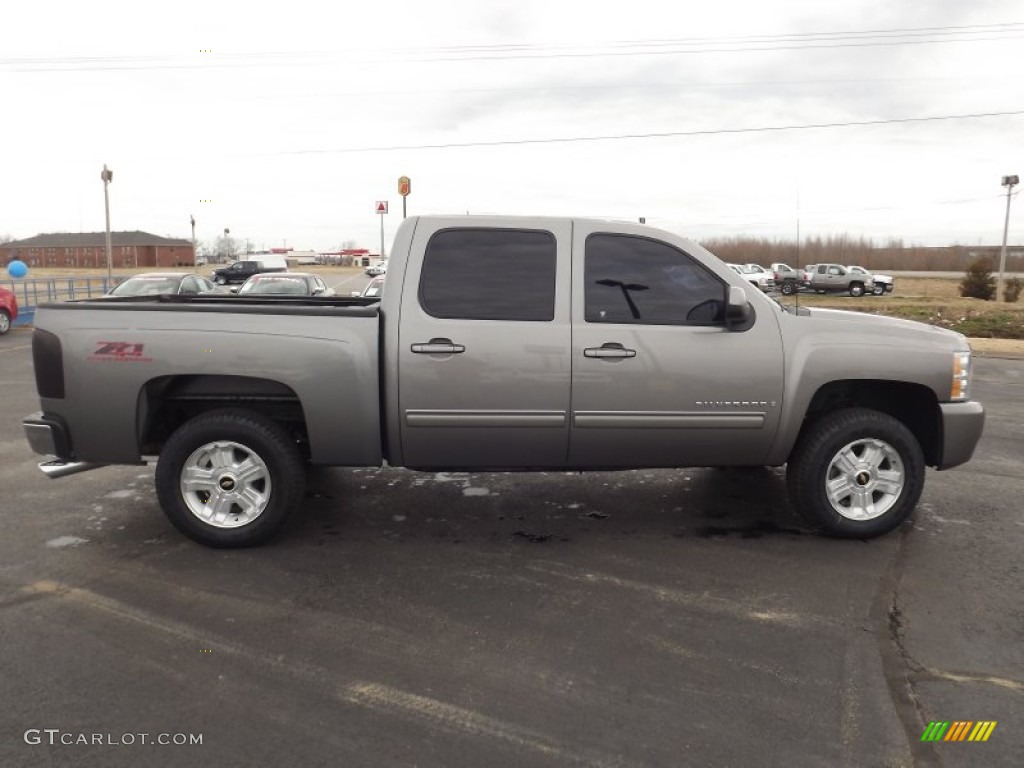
611	350
438	347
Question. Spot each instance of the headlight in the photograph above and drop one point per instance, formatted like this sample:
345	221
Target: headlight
961	376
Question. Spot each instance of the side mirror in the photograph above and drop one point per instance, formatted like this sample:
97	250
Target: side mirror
738	312
234	288
357	293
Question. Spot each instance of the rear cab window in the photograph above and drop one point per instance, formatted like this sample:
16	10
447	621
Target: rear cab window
489	274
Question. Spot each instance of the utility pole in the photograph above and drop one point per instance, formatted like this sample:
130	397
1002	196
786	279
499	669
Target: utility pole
195	266
1009	182
108	176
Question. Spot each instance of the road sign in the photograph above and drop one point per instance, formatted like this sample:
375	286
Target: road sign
404	185
381	207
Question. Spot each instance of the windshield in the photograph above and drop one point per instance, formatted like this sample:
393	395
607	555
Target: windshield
147	286
280	285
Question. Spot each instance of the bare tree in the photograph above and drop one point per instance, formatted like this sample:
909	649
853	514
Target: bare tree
227	248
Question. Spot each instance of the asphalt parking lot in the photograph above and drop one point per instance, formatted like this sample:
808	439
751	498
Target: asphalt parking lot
648	618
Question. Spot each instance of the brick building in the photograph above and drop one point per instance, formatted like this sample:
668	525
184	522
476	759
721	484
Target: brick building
89	249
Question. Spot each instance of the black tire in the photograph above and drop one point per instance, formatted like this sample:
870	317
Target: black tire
788	289
878	290
812	464
5	322
280	481
220	280
856	289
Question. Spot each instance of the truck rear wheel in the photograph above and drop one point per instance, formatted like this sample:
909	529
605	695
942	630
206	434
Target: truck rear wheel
5	322
229	478
856	289
856	473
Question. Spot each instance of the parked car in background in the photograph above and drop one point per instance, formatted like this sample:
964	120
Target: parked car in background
373	290
379	268
759	277
159	283
787	279
835	278
883	283
285	284
8	310
241	271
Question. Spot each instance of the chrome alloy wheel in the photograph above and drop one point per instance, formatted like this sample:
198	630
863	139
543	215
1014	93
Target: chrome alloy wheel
225	484
864	479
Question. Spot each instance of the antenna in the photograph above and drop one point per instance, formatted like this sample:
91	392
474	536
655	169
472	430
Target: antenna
799	268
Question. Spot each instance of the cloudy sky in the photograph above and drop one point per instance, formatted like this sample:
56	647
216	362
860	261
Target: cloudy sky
285	122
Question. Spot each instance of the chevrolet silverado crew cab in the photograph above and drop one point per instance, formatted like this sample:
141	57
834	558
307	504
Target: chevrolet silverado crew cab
835	278
503	344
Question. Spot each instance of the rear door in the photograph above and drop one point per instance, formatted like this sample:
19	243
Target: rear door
483	361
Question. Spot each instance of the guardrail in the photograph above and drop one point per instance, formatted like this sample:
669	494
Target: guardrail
31	292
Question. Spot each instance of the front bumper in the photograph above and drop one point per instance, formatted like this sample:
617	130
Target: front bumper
962	424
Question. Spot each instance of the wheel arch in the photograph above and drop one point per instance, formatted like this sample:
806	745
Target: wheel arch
167	402
915	405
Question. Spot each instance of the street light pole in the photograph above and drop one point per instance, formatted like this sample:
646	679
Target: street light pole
1009	182
107	177
195	265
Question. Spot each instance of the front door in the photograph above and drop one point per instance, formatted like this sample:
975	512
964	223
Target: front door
658	379
484	369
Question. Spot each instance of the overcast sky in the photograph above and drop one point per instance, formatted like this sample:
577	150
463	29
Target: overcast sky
285	122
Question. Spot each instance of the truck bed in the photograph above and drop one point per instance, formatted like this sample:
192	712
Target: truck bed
319	355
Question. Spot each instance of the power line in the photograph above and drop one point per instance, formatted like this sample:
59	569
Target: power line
511	51
660	135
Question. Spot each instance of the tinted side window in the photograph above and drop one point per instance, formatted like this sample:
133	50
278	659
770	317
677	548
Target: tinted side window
637	280
489	274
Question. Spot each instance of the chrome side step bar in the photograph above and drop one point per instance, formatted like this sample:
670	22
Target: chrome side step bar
59	468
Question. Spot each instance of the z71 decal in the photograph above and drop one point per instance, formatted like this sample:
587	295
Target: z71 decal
118	352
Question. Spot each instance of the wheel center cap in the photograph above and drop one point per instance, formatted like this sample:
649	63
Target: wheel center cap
226	483
863	478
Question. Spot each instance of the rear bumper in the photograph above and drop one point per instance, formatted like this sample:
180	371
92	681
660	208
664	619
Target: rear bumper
47	435
962	424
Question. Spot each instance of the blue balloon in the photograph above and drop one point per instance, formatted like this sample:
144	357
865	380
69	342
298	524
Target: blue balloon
17	268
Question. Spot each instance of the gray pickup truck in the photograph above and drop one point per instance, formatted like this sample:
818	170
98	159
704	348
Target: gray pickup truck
835	278
503	344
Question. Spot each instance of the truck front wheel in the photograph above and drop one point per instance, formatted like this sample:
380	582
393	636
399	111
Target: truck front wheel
856	473
788	288
229	478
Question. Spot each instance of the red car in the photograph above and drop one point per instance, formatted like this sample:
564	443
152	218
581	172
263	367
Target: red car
8	310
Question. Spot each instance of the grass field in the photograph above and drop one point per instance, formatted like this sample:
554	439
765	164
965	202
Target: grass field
934	301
